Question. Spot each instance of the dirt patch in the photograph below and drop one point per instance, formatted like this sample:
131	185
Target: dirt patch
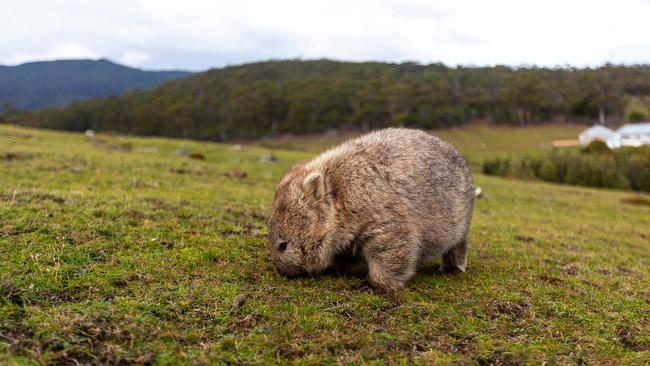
514	309
631	339
49	197
161	204
524	239
248	322
135	215
16	155
16	336
16	135
119	282
239	174
14	231
87	340
158	203
290	352
550	279
570	270
638	200
241	214
22	197
166	244
501	357
196	156
196	170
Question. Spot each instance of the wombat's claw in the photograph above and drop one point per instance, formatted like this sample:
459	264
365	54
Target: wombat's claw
362	286
451	270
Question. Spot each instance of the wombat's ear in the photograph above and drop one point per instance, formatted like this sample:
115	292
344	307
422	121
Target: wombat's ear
314	185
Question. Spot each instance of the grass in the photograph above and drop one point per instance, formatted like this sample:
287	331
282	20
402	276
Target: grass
126	252
478	141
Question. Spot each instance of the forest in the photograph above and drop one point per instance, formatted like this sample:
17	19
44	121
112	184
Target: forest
295	96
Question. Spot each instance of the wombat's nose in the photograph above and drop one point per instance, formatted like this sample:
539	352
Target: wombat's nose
289	271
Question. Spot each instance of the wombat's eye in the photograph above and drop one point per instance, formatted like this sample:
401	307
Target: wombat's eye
282	246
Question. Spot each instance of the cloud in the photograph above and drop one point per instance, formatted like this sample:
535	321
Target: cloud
134	58
65	50
197	34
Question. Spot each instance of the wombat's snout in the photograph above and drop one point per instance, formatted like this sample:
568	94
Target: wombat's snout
289	270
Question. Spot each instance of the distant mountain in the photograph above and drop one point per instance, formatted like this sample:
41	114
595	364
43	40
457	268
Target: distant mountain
37	85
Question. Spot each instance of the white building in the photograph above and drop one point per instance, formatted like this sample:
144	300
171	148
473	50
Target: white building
635	134
602	133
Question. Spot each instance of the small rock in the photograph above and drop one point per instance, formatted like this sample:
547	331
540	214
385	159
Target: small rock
269	158
239	174
478	193
90	134
238	301
182	151
146	358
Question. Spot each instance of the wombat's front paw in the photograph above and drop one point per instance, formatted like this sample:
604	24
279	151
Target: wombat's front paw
450	270
385	287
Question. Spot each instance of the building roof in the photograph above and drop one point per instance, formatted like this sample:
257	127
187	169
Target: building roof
629	128
598	130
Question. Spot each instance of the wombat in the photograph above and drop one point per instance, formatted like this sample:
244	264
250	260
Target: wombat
395	198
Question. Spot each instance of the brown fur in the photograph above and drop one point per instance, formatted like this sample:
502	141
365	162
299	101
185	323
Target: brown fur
396	198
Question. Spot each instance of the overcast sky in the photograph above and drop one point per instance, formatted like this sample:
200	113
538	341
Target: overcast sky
199	34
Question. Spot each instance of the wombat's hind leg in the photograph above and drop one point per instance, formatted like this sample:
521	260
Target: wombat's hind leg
455	259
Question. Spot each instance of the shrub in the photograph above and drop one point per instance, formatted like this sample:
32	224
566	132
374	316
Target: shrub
636	116
497	166
595	166
548	171
596	147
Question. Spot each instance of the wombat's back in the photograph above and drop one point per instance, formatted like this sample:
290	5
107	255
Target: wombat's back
409	175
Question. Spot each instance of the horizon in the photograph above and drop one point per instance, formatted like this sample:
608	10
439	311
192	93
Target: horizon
514	67
199	34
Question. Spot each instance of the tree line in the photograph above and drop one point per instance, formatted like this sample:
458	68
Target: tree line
294	96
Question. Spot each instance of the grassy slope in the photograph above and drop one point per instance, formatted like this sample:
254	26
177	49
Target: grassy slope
477	141
110	256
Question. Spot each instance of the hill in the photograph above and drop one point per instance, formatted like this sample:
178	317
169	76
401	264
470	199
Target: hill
275	97
123	251
37	85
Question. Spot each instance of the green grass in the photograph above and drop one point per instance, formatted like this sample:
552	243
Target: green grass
478	141
135	256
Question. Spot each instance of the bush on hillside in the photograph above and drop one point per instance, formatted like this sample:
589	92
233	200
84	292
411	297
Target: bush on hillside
636	116
596	147
625	168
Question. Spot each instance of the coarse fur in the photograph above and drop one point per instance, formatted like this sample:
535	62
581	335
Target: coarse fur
395	198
